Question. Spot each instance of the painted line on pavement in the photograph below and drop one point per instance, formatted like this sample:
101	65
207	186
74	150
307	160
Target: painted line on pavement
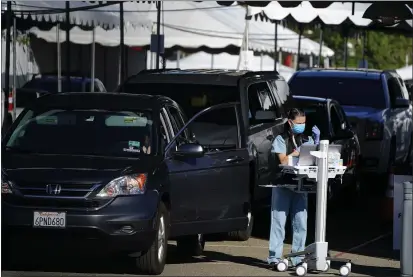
362	245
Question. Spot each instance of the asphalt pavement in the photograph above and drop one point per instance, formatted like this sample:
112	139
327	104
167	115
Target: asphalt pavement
354	231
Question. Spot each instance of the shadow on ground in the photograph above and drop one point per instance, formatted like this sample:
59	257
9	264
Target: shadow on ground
349	226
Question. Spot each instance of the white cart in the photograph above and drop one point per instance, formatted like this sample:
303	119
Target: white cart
316	255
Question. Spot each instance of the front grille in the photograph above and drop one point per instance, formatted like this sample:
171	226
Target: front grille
67	196
65	190
56	203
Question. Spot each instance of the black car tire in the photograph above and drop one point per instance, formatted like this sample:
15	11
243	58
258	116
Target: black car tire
153	261
192	245
243	235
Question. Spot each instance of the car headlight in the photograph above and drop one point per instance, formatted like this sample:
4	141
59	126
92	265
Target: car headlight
126	185
6	187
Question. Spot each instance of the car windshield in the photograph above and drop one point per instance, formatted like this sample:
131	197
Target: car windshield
347	91
84	132
193	98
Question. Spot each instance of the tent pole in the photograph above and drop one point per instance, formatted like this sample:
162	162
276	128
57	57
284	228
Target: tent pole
14	67
321	45
7	69
158	32
122	43
275	45
299	47
92	66
59	59
68	45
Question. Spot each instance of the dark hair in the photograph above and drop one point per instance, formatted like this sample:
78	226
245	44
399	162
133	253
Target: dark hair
294	113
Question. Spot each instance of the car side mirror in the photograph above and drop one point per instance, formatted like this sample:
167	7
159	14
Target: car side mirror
343	134
401	103
189	150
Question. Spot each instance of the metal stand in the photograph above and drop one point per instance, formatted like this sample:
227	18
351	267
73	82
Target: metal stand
316	256
406	253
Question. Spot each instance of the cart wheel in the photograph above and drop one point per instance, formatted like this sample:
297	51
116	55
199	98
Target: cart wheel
282	266
301	270
327	268
344	270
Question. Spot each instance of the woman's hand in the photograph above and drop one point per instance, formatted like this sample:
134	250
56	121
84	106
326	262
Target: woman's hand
295	153
316	134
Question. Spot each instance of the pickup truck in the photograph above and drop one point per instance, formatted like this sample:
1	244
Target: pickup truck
377	105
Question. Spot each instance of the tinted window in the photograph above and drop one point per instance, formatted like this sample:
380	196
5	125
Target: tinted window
347	91
25	97
192	98
261	103
83	132
316	114
220	134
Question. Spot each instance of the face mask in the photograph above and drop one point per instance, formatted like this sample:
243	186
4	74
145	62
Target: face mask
298	128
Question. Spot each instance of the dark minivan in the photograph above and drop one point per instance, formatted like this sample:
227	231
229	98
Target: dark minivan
106	171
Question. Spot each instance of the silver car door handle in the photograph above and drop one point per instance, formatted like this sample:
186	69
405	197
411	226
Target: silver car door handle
234	159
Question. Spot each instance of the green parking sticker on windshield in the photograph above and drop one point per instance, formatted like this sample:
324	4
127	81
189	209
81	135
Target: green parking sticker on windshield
133	143
47	120
130	119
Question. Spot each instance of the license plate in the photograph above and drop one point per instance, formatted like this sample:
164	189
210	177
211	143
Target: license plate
49	219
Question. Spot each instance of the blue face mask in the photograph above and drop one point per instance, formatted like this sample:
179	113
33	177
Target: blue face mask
298	128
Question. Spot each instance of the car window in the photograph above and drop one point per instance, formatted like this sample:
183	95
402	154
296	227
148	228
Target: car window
84	132
192	98
348	91
262	107
165	134
335	120
283	96
403	87
394	90
178	123
218	135
316	114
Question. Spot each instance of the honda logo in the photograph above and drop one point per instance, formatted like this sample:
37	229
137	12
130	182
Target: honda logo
53	189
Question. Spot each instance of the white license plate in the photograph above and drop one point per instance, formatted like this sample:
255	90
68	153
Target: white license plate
49	219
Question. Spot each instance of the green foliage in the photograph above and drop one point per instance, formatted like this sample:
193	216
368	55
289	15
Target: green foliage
383	51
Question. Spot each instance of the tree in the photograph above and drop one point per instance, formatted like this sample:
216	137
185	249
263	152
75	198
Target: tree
383	51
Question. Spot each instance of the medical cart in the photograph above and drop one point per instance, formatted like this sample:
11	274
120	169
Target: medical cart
316	255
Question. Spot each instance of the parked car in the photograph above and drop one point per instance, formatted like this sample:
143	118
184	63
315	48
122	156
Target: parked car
127	181
264	98
329	117
77	83
376	104
41	84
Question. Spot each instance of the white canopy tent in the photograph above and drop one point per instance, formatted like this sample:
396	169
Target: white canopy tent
192	25
107	17
202	60
335	14
406	72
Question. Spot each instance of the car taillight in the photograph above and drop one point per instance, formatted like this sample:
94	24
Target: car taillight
374	131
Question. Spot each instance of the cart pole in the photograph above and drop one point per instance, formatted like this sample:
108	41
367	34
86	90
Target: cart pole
406	255
322	181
